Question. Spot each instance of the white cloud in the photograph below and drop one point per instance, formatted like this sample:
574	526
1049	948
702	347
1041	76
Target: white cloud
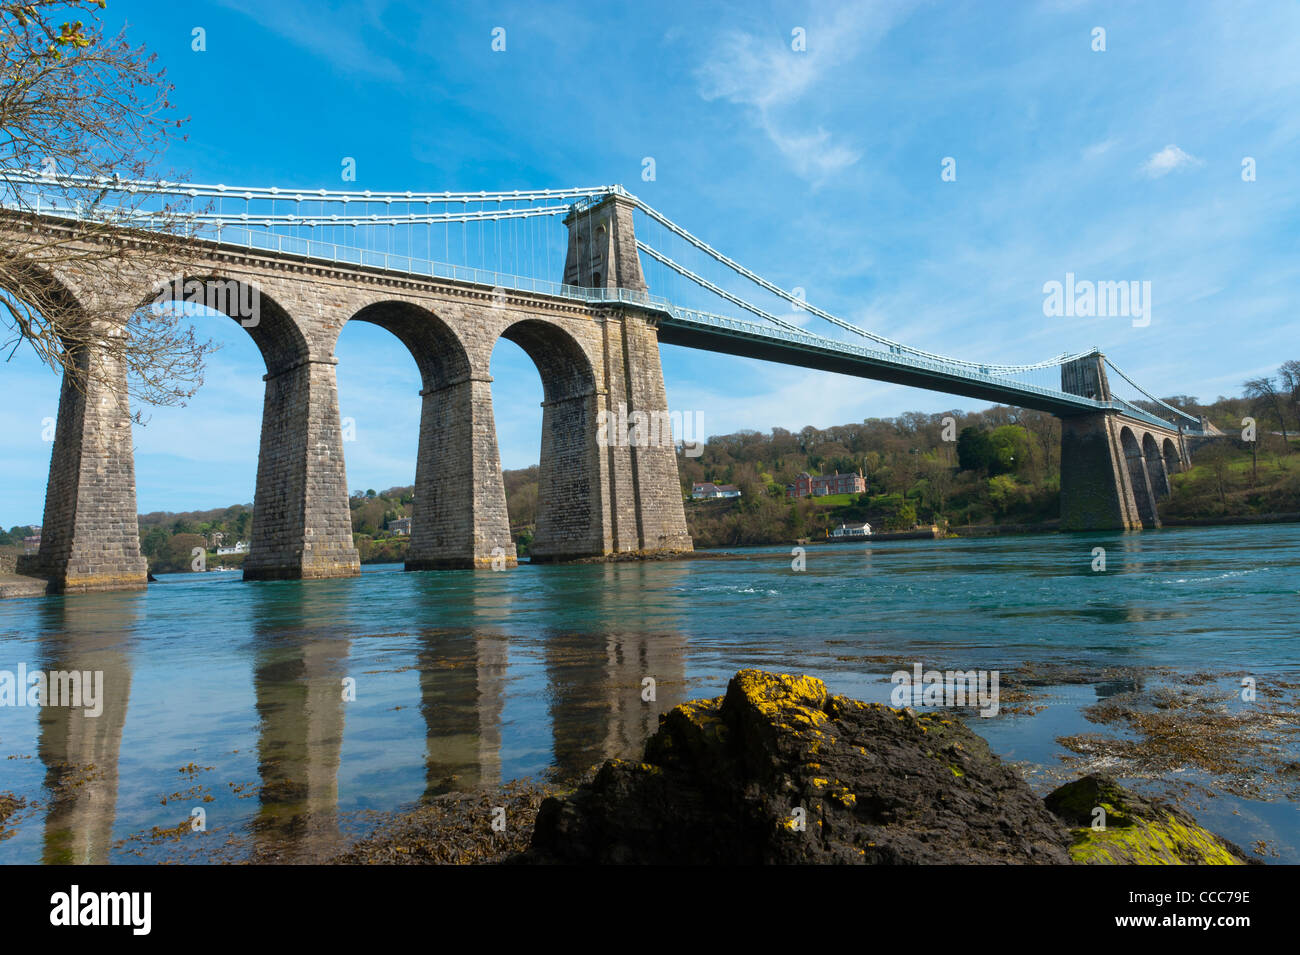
774	82
812	155
1096	150
1167	160
332	34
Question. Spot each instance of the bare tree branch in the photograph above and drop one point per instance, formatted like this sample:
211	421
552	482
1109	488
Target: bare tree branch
85	110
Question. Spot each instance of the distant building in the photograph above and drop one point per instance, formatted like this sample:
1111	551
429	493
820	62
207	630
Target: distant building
709	491
807	485
32	544
239	547
852	530
401	526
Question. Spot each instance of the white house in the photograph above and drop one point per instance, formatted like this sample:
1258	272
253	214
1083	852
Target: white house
852	530
708	491
239	547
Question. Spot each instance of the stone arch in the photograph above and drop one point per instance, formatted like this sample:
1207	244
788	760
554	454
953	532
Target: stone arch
277	336
438	351
570	507
1138	480
1155	466
567	370
458	515
1173	460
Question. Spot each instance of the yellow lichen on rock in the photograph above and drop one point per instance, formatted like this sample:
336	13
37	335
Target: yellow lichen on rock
780	696
1168	842
1135	831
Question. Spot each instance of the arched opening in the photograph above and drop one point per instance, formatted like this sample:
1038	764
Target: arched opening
1137	473
432	523
517	399
192	461
569	522
1155	466
1173	461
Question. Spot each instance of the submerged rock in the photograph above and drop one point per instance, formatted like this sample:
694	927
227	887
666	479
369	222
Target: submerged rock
780	771
1138	831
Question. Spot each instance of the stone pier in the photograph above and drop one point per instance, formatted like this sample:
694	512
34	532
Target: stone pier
90	538
302	527
1113	469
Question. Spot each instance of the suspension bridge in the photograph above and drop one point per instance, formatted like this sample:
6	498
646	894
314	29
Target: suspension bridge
449	273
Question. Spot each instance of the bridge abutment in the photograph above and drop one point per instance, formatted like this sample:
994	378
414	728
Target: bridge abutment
90	538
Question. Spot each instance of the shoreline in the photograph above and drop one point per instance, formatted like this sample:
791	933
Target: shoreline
1013	530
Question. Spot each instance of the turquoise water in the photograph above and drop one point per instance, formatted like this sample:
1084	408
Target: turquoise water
228	696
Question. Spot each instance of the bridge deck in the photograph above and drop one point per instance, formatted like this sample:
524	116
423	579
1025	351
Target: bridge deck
685	327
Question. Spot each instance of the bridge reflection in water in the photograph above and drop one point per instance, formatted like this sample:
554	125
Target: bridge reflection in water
482	695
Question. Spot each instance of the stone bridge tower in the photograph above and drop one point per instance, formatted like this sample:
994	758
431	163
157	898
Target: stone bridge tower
641	487
602	246
1113	469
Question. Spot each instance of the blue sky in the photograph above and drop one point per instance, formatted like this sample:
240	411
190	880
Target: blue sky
817	168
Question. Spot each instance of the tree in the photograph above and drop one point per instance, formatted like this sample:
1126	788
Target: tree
1010	444
178	555
974	450
1289	373
1005	494
79	111
154	544
1218	458
939	482
1263	393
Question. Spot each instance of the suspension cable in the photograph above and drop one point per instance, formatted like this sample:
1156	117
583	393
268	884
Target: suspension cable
706	284
1153	398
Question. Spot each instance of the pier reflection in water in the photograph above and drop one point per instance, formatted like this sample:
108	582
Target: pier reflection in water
599	701
299	669
256	720
80	752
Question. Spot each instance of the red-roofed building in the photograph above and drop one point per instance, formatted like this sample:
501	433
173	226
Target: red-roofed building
808	485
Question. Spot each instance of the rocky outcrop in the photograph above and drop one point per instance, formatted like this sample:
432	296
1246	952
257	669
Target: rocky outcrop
1134	830
780	771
